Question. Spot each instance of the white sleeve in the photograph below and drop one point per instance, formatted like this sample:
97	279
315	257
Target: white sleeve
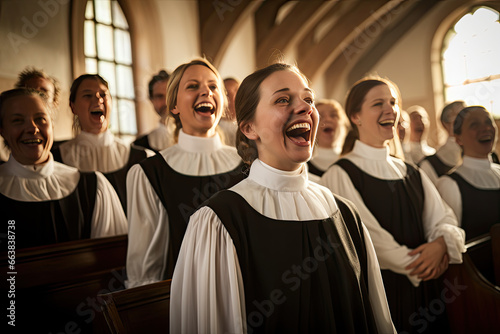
376	289
391	255
450	193
207	293
108	218
429	171
439	220
148	231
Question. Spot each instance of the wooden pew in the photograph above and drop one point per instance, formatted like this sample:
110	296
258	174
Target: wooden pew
472	301
56	286
143	309
495	245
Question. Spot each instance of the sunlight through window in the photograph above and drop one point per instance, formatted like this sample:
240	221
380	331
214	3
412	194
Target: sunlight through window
108	52
471	60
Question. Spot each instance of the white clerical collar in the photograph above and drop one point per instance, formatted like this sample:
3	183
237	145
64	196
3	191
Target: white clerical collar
199	144
277	179
476	163
105	138
13	167
373	153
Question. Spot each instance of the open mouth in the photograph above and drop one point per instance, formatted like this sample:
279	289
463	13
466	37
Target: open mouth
299	133
486	139
205	108
35	141
328	130
387	123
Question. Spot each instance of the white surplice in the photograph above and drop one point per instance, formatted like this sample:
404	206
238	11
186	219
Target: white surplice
148	218
96	152
480	173
438	219
54	181
207	292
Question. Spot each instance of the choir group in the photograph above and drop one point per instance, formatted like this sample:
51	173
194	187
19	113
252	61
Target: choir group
271	210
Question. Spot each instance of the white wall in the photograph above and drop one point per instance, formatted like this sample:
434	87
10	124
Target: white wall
239	59
36	33
179	22
408	64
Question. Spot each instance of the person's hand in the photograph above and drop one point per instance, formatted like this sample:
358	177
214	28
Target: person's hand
432	262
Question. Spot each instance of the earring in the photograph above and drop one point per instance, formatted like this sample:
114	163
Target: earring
359	122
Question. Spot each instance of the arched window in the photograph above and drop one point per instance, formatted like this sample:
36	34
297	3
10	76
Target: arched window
470	60
108	52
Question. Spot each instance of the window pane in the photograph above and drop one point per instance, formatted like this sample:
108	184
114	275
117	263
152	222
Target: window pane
89	10
123	50
89	39
107	71
114	124
103	11
105	42
125	81
470	60
126	109
90	65
119	19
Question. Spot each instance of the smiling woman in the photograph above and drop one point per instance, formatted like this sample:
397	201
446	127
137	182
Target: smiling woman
37	192
276	253
473	189
166	189
414	234
95	148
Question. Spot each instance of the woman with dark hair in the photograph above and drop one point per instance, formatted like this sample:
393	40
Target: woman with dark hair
285	256
49	202
472	189
414	234
95	148
166	189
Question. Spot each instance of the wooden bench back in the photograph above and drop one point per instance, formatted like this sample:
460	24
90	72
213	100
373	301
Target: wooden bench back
143	309
472	300
56	286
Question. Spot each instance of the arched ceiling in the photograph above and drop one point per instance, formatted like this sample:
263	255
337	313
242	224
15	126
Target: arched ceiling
331	38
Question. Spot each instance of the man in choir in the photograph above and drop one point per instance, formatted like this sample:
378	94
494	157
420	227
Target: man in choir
163	136
228	121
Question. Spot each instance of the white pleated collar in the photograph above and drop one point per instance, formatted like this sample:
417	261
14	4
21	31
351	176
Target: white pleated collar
105	138
276	179
369	152
199	144
13	168
475	163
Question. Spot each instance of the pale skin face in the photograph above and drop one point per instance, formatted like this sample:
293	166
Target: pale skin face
377	117
329	122
159	99
200	103
417	127
28	129
478	134
92	106
285	122
231	88
43	85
